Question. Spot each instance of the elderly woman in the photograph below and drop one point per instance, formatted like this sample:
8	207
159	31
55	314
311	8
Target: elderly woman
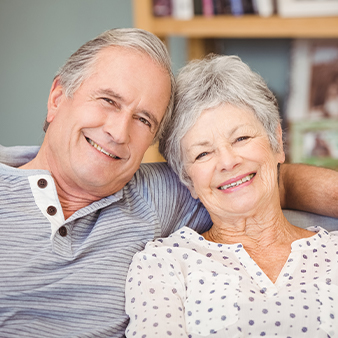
253	273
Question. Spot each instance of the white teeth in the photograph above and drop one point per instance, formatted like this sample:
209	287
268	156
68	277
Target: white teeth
96	146
234	184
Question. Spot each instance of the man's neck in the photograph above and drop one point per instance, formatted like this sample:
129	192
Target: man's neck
71	198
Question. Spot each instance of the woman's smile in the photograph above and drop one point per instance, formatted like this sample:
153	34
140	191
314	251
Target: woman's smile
230	185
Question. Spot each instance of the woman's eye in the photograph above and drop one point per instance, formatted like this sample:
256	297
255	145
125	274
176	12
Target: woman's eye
242	138
201	155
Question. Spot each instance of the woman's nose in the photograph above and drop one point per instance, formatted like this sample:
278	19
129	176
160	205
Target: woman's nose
228	159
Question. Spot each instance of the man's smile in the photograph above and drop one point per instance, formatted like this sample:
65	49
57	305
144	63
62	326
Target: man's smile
96	146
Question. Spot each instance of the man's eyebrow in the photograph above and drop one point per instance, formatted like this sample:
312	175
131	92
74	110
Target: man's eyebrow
111	93
151	117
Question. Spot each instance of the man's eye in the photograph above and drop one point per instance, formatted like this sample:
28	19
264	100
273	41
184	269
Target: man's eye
110	101
146	122
201	155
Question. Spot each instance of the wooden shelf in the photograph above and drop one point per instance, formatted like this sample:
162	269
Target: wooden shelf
200	28
247	26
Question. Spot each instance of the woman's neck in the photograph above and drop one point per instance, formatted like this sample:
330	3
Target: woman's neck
267	240
259	229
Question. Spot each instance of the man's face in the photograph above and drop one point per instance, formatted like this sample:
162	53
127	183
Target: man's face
98	137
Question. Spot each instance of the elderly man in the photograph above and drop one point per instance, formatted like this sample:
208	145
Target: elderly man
73	215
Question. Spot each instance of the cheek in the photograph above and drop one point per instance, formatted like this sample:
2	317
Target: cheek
262	153
90	116
201	177
269	170
140	138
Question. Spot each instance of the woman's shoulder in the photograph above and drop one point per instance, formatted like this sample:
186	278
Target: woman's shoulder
182	240
168	251
182	236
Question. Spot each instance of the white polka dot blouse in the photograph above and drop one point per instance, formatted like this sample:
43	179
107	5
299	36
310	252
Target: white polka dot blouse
186	286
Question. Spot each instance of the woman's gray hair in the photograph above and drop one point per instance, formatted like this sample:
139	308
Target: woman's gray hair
79	65
209	83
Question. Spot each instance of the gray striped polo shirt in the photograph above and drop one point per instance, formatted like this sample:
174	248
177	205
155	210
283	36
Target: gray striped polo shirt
66	278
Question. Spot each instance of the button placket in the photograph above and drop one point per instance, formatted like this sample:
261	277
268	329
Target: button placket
46	198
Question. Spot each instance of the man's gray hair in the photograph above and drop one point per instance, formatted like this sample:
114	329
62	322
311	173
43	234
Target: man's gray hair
79	65
209	83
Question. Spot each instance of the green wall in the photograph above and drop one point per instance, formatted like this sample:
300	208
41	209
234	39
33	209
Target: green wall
37	36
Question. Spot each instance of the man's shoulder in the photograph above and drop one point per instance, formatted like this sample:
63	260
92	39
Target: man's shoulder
17	156
155	167
156	181
157	172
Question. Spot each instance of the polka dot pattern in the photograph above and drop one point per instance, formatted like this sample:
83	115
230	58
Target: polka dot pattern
185	286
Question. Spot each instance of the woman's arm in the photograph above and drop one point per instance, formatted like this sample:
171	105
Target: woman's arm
153	298
309	188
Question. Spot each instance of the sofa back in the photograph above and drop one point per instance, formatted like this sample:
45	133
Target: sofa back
306	219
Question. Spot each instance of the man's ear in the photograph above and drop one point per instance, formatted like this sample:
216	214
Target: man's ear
281	154
192	192
56	95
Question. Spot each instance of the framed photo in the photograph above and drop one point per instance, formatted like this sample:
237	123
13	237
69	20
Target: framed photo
315	142
302	8
313	80
312	107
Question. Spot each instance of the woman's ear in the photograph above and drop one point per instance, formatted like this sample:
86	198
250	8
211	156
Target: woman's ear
56	95
281	154
192	192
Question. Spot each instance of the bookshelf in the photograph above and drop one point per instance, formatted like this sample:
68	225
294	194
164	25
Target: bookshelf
246	26
199	29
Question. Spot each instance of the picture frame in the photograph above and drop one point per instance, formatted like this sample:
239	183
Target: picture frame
312	106
306	8
315	143
313	80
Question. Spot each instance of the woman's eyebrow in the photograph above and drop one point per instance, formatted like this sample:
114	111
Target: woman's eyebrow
200	144
207	143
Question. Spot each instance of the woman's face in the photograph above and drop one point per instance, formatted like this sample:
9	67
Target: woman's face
229	159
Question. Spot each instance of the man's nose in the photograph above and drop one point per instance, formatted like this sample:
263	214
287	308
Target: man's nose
118	126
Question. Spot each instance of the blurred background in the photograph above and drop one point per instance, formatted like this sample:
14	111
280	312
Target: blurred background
36	37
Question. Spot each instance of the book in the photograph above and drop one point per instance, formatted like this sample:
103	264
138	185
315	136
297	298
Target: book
162	7
304	8
237	7
208	7
198	7
183	9
222	7
248	7
263	7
